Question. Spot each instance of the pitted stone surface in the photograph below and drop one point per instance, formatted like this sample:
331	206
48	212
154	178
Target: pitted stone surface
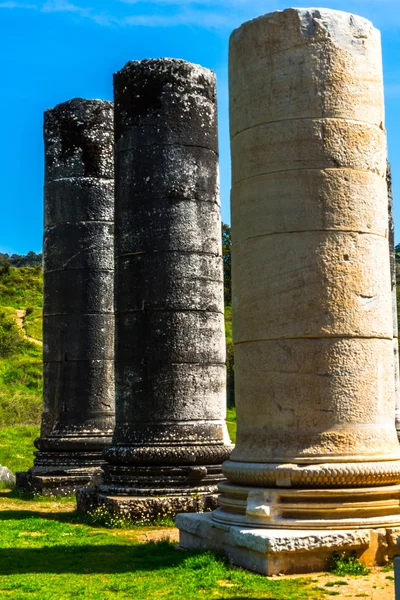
327	64
145	509
169	295
332	284
317	456
78	320
170	436
312	299
165	99
79	140
273	552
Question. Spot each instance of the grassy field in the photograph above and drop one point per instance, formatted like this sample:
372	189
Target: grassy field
16	446
231	423
20	360
21	287
47	553
33	323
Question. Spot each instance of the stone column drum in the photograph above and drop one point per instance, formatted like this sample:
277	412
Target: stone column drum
394	295
78	313
316	464
170	436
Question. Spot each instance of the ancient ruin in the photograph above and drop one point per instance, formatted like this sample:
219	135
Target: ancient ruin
316	467
170	436
78	314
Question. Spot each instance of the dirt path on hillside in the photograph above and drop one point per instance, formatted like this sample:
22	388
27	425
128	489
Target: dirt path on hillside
21	314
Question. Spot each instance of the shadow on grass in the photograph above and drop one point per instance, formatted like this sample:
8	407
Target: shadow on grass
90	559
31	497
63	517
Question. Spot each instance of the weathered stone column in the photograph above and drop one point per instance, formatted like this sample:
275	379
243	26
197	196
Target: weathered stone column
170	436
78	314
394	296
312	307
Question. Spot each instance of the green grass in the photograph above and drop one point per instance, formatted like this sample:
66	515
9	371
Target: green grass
16	447
228	324
231	423
343	565
21	287
52	556
20	360
21	386
33	324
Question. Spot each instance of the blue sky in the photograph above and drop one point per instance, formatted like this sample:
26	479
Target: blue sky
55	50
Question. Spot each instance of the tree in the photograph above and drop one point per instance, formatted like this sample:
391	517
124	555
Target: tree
226	257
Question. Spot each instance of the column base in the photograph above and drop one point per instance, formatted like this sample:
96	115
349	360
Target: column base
286	551
55	485
309	509
147	508
61	473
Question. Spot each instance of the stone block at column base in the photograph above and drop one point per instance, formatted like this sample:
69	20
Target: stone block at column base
56	485
146	509
61	473
285	551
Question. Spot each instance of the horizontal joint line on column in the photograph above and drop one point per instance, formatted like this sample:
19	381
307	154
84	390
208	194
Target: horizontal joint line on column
261	235
174	199
91	269
313	337
170	310
77	223
180	421
77	360
174	144
307	119
306	169
79	313
80	177
119	363
168	252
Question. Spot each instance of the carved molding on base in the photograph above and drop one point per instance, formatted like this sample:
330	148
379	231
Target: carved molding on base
327	475
281	508
168	454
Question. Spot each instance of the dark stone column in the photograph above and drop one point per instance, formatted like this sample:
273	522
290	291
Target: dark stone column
170	437
78	314
394	296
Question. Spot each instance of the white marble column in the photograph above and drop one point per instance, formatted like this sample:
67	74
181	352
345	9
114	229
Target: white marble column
312	308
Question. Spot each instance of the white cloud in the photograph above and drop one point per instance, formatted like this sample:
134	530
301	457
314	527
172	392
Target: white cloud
210	14
214	3
16	5
207	19
64	6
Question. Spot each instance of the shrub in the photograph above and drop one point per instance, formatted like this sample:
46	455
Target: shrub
342	565
11	336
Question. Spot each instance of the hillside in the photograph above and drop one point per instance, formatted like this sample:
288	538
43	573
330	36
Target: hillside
21	300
